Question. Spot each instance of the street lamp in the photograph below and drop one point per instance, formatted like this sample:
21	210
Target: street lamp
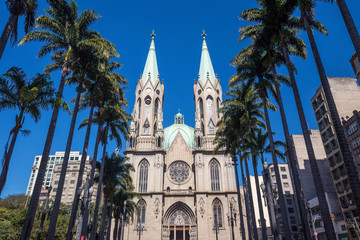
44	212
140	226
231	218
216	227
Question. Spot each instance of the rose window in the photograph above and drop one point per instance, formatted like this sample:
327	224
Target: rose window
179	171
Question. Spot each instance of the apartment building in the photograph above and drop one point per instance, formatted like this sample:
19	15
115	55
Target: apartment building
53	164
71	178
308	187
346	94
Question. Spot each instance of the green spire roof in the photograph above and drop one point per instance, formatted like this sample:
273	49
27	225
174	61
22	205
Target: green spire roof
179	126
151	68
206	68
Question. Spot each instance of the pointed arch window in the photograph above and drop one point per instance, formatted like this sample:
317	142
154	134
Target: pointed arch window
210	106
157	103
217	213
146	127
211	127
201	108
215	175
142	211
139	108
143	175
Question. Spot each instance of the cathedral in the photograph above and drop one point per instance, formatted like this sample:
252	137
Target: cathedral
188	193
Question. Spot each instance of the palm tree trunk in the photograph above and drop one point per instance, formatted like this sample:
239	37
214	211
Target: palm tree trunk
7	156
109	220
242	228
9	27
99	191
116	228
261	211
292	162
29	220
350	25
247	205
56	207
277	173
353	178
84	229
103	219
81	173
249	188
324	208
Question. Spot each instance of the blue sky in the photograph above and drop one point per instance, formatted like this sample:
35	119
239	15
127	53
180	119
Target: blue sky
178	26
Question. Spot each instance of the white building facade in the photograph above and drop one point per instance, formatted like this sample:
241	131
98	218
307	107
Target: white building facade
186	190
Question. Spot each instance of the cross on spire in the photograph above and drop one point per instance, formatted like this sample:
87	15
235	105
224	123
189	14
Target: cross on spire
152	35
203	34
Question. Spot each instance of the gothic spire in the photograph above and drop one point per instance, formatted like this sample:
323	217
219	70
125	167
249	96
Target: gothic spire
206	69
151	68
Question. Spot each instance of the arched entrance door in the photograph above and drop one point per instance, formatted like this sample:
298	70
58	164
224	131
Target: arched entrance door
179	223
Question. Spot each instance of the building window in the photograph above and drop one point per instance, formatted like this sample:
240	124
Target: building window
56	182
215	175
284	176
72	182
70	196
75	167
286	184
287	192
217	213
142	211
143	176
71	189
73	174
64	189
353	128
66	182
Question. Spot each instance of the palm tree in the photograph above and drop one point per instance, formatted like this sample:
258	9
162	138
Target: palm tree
64	33
125	193
241	113
252	69
17	8
28	96
259	147
349	22
110	109
116	173
306	8
274	22
115	120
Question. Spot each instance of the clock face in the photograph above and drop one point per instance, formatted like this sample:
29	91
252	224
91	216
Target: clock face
179	171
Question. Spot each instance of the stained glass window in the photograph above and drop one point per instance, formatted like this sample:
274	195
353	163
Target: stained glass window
217	213
215	175
179	218
143	176
179	171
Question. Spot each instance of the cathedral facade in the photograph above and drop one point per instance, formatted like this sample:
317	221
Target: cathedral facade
187	192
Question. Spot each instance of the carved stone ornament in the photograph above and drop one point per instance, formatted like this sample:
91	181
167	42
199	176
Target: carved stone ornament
158	163
157	207
200	162
201	206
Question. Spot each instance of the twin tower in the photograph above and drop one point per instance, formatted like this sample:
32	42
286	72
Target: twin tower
185	188
146	130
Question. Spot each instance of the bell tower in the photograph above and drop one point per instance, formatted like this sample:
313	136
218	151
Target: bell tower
146	128
208	99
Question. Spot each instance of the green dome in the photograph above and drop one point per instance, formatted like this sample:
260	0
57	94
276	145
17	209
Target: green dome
171	132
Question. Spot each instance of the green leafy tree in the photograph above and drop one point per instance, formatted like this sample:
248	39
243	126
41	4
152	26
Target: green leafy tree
28	97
